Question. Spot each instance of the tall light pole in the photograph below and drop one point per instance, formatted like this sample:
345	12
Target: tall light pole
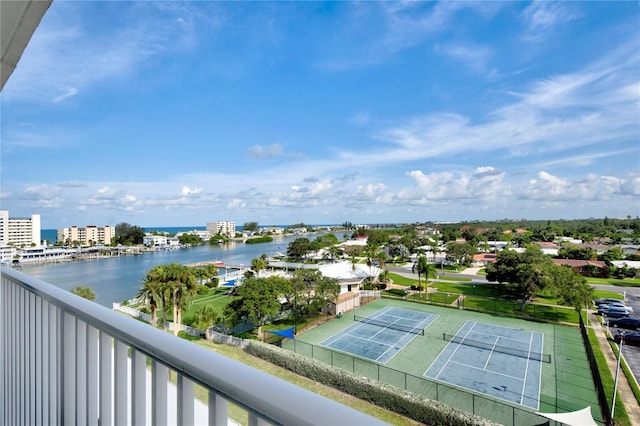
615	383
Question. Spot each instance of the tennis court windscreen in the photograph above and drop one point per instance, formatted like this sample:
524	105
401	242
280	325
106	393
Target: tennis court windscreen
497	348
391	325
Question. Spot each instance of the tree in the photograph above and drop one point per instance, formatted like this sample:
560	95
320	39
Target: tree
181	283
190	239
127	234
460	253
260	299
301	292
524	273
426	269
571	289
572	251
85	292
258	264
155	290
250	226
204	317
212	275
299	248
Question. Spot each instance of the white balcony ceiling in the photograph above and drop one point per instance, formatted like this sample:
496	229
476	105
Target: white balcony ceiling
18	20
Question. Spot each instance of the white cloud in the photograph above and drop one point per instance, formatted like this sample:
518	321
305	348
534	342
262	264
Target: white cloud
260	151
186	191
70	93
542	17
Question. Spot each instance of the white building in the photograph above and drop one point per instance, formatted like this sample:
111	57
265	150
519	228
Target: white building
19	232
350	277
226	229
150	240
89	235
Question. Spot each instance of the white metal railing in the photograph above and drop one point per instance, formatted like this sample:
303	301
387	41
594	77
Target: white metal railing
66	360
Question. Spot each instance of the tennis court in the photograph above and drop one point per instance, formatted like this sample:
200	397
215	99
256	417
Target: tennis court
381	335
500	361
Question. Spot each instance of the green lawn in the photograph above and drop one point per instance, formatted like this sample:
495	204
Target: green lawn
627	282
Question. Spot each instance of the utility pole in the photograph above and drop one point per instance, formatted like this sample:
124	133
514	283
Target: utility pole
615	383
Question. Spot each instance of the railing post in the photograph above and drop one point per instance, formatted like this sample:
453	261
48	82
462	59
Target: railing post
93	374
139	388
120	383
186	397
68	361
159	377
106	380
218	407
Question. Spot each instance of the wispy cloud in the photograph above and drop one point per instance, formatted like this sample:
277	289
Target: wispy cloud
542	17
69	94
474	56
91	57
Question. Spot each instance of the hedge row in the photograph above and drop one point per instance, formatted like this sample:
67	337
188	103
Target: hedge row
386	396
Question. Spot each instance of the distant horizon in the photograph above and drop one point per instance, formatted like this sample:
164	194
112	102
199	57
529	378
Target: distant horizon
503	220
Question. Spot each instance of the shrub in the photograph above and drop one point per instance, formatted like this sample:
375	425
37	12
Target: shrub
396	292
386	396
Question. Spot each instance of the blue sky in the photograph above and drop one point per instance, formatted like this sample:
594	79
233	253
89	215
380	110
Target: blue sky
174	114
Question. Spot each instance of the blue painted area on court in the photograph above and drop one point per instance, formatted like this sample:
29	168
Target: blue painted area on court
376	342
498	361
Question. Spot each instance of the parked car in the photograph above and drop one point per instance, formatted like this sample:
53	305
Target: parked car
632	338
615	312
603	300
602	309
620	305
625	322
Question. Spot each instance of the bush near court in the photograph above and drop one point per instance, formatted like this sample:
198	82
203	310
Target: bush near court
386	396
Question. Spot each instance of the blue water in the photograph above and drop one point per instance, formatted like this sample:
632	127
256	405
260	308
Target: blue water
118	279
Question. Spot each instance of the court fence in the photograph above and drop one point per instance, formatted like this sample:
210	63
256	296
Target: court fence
499	411
495	306
595	372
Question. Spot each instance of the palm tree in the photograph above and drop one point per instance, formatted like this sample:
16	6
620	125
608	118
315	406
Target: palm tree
154	290
212	273
181	282
149	293
205	317
258	264
427	269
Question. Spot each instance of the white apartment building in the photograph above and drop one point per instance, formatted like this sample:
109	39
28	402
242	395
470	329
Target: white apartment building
89	235
19	232
227	229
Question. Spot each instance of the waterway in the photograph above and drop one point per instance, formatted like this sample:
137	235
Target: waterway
119	278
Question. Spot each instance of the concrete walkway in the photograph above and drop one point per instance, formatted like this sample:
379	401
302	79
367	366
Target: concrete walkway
624	389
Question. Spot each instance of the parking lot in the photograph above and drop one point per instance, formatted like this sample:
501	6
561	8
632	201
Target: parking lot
632	353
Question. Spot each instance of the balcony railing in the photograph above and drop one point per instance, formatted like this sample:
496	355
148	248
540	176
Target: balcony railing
66	360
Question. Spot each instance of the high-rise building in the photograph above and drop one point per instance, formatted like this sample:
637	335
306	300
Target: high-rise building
227	229
19	232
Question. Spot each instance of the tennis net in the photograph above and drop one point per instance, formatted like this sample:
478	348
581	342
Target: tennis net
391	325
497	348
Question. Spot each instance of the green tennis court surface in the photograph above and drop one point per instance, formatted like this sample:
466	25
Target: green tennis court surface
565	379
499	361
380	336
